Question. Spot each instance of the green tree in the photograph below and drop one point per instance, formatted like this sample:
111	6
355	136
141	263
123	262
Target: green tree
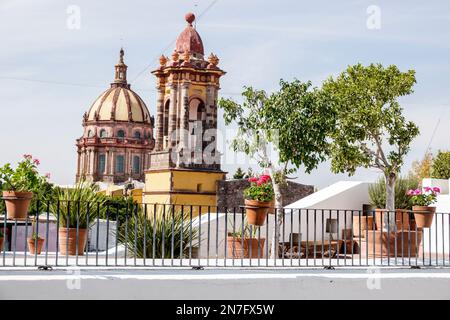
422	169
292	123
239	174
441	166
370	130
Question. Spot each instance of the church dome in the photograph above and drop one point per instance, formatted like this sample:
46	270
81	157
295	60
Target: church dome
119	103
189	40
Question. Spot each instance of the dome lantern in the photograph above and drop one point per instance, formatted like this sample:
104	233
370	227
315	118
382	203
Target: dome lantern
120	78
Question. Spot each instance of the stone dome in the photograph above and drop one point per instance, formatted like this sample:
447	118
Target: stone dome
189	40
119	103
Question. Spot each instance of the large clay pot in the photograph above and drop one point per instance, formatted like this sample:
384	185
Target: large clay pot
402	219
68	240
256	211
240	248
384	244
363	224
31	245
17	204
424	216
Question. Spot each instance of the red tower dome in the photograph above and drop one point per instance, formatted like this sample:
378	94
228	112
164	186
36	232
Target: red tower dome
189	40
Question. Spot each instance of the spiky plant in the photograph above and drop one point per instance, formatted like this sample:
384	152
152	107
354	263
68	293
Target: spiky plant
162	227
377	192
75	204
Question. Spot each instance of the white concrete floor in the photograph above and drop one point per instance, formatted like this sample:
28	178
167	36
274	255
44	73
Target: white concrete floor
183	283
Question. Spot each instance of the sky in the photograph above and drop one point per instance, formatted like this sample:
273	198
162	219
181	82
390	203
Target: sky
53	67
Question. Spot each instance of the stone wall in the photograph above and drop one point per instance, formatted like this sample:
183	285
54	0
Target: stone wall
230	192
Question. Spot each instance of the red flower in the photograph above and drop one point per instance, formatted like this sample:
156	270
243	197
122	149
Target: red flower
264	178
36	162
252	179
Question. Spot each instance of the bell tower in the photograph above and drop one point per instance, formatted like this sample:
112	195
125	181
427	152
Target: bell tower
185	164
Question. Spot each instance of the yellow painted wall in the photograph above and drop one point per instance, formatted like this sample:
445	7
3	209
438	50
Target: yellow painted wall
182	182
157	181
188	180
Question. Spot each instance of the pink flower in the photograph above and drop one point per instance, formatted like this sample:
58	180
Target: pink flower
436	190
36	162
417	192
410	192
252	179
28	156
47	175
427	189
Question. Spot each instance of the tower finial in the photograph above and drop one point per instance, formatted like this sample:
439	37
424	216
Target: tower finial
190	18
122	53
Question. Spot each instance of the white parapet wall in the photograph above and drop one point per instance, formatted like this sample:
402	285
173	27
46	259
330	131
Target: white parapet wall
436	239
339	202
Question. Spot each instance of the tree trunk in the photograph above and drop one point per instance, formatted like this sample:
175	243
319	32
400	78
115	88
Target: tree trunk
280	216
389	217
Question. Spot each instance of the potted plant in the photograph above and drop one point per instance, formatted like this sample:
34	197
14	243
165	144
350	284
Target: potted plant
421	201
377	194
76	209
258	198
241	242
35	243
401	241
18	186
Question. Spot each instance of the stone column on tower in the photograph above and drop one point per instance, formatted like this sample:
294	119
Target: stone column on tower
184	121
173	114
160	119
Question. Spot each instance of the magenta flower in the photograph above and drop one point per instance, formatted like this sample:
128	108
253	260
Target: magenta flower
436	190
417	192
410	192
427	189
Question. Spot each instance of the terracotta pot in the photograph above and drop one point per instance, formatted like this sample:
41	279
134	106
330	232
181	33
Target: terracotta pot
381	241
17	204
31	245
238	248
68	240
1	244
363	224
402	219
424	216
256	211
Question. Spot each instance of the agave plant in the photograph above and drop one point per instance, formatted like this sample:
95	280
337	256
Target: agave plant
162	233
74	205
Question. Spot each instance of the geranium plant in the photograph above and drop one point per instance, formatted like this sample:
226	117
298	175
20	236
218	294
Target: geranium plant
260	189
25	178
424	197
